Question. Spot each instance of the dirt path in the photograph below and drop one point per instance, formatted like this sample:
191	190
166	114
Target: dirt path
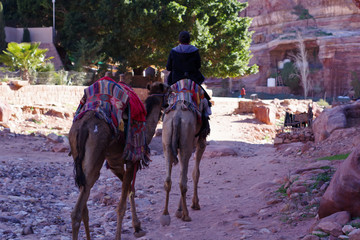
235	191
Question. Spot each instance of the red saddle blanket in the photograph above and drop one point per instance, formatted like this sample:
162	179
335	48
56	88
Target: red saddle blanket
110	100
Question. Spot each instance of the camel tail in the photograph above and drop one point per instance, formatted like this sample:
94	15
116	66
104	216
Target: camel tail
82	136
175	138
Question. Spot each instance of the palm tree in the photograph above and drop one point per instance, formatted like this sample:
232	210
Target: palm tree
25	57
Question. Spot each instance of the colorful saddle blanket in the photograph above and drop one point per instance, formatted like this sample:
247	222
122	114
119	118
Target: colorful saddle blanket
190	94
110	100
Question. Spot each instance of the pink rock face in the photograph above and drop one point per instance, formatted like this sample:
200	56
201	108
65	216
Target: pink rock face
332	119
357	3
343	193
341	218
334	45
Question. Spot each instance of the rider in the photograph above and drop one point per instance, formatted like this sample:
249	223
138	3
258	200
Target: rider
184	61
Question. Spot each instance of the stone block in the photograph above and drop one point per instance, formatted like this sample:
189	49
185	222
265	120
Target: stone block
265	114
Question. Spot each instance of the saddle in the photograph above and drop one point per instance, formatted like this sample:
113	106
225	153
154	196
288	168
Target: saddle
115	102
193	98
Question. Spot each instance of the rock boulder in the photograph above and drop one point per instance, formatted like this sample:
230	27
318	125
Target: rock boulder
343	193
5	112
265	114
342	116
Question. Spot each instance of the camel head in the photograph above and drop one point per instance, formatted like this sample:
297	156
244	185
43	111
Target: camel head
157	88
155	103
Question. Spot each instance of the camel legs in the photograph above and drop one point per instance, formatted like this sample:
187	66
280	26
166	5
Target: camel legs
179	129
165	217
126	177
185	154
138	232
80	211
200	148
122	204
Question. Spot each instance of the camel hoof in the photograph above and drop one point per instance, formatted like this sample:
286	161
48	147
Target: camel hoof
140	233
186	219
165	220
179	214
195	206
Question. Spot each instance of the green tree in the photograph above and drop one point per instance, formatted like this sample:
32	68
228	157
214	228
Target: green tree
82	33
303	13
26	35
87	51
223	38
137	34
35	13
28	13
25	57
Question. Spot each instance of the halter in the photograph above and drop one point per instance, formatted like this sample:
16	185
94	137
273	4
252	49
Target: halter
163	95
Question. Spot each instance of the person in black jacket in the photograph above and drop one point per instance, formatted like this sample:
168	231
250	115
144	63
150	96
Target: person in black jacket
184	61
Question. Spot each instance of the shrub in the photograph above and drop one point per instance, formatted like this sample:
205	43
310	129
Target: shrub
289	76
323	103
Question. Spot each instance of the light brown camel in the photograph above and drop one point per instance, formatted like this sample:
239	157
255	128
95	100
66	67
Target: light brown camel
92	141
180	127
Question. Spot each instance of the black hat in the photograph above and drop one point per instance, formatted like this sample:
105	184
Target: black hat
184	37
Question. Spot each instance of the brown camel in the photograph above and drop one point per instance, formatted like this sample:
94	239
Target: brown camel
179	136
92	141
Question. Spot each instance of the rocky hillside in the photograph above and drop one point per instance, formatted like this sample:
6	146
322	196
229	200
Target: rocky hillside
330	29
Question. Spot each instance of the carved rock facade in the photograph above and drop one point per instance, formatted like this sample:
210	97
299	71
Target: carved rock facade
331	37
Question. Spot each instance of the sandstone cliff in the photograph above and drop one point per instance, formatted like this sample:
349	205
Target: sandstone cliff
331	34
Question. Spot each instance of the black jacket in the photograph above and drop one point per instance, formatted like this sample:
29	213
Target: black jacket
184	62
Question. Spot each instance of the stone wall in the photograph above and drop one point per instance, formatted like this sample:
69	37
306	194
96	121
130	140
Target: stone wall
273	90
294	135
56	95
42	34
247	106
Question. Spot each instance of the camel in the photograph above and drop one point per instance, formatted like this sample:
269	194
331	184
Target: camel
180	135
92	141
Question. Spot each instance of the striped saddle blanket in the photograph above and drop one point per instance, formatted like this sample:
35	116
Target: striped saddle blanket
190	94
110	100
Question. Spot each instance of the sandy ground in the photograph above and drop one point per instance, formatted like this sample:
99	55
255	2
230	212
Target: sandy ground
234	190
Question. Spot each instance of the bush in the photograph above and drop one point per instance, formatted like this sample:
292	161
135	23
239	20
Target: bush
62	78
323	103
290	77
